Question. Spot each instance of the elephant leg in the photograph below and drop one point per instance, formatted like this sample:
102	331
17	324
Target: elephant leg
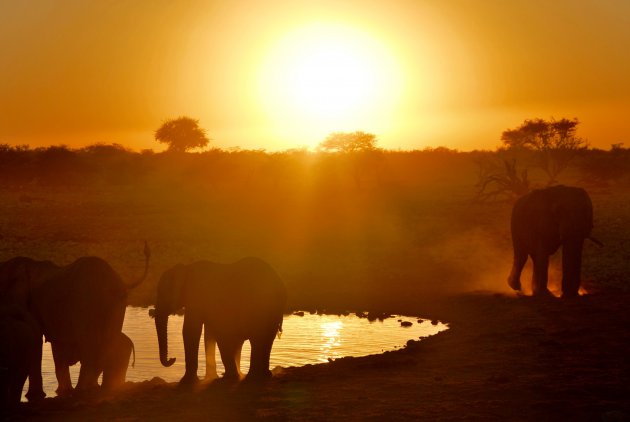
261	352
192	334
520	258
540	276
117	362
571	267
62	371
229	350
15	389
88	375
211	360
35	384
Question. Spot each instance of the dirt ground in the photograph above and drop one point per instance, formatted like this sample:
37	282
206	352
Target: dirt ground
504	358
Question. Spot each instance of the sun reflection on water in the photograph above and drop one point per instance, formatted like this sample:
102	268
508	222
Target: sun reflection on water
331	339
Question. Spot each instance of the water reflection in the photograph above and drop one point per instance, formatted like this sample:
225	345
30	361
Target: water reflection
307	339
330	340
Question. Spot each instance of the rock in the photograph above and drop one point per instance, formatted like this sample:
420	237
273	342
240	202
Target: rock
298	313
434	322
406	324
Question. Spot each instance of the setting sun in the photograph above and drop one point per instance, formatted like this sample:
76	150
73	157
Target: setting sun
347	210
321	78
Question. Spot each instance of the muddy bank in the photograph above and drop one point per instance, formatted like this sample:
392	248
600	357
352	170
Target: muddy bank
504	358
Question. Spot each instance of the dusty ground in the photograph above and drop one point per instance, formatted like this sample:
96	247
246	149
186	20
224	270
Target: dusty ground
504	358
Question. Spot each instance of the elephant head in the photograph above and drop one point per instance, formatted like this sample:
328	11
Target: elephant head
169	302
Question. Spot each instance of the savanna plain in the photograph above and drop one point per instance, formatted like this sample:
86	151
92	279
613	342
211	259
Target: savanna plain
401	232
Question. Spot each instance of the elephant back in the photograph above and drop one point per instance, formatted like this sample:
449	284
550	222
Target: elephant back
241	292
554	211
254	277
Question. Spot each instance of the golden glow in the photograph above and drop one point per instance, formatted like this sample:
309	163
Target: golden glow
322	78
286	73
331	340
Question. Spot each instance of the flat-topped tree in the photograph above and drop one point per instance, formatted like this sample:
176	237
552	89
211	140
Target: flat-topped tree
554	141
181	134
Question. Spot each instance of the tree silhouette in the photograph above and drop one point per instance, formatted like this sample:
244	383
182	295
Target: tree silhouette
181	134
554	142
349	142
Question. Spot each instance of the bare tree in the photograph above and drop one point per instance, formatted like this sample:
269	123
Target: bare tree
501	181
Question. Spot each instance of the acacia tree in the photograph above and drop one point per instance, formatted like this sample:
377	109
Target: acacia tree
181	134
554	142
349	142
363	155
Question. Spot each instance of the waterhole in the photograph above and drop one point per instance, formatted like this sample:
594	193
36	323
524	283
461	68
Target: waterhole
307	339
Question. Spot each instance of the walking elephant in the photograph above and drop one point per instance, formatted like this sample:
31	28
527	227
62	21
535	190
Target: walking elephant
542	221
20	350
79	308
233	303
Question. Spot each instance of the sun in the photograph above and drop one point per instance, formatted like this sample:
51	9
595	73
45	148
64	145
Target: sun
324	78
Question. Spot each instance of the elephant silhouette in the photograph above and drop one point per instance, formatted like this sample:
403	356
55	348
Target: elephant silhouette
234	302
20	351
543	221
79	308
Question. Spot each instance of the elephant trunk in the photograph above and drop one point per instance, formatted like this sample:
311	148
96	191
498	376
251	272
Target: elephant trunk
161	322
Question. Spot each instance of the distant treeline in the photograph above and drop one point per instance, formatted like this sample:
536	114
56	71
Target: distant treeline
113	164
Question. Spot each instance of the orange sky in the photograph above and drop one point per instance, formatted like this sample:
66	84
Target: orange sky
448	72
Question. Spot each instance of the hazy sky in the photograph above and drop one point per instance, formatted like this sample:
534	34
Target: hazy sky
282	74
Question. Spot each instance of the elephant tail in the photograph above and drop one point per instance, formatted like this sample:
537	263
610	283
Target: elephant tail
595	241
147	255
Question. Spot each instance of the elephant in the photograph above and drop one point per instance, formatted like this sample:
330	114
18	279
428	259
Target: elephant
20	350
79	308
117	361
234	302
18	277
542	221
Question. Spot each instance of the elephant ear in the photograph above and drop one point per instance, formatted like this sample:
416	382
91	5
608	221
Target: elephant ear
179	276
171	285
